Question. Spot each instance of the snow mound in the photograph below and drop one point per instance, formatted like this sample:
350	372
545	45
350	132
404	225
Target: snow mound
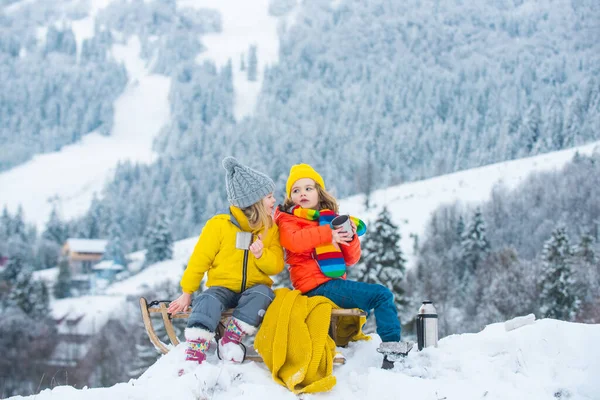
544	360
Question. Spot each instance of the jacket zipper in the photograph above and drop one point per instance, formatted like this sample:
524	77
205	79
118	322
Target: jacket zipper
245	271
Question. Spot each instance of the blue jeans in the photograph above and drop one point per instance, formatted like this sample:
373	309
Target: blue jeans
250	306
367	297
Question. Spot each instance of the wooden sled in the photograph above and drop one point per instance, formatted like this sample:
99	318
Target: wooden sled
161	307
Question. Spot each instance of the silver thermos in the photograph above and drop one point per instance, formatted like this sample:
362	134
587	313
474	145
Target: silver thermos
427	325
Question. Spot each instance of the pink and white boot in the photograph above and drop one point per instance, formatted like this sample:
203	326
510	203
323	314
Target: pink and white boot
198	342
230	345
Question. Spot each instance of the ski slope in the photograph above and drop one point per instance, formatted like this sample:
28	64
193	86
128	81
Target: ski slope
70	177
245	23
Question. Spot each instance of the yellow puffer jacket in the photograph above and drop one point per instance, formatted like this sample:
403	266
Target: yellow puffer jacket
215	253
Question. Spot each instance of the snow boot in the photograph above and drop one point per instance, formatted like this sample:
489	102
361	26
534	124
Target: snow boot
393	351
198	342
230	345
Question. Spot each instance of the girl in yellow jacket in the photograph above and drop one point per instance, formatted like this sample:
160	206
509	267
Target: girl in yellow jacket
238	250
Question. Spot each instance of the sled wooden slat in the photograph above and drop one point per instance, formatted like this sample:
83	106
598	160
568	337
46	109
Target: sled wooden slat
150	328
168	324
167	318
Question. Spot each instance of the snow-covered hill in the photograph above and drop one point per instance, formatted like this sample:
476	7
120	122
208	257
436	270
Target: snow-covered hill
550	359
411	204
546	360
70	177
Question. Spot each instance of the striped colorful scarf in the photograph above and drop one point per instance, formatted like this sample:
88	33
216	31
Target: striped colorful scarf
329	256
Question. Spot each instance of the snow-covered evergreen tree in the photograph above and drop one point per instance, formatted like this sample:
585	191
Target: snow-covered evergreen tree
586	269
5	224
56	230
158	240
252	64
382	259
475	245
114	249
585	249
558	297
19	257
29	295
62	286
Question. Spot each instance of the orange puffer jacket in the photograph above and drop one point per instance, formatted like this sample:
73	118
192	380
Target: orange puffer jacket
299	237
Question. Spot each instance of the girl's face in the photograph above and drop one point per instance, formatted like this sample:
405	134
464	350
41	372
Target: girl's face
304	193
269	203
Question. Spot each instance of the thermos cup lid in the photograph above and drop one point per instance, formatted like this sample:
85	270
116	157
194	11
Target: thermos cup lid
339	220
427	302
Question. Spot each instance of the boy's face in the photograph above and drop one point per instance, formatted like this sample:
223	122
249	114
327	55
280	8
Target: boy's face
269	203
304	193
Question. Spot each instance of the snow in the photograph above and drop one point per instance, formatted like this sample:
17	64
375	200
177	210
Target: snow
87	245
245	23
66	353
155	274
48	275
88	314
412	204
517	359
70	177
107	265
544	360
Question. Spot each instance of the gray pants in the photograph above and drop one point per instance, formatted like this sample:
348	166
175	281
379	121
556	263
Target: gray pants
250	306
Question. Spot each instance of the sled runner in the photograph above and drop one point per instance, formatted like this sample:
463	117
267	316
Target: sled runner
161	307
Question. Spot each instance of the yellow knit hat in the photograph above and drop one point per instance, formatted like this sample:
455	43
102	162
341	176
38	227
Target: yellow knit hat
300	171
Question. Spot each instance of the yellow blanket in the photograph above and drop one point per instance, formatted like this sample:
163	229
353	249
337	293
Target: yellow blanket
294	343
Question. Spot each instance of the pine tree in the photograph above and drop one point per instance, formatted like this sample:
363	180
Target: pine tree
383	261
475	245
555	123
532	127
114	249
5	224
252	64
585	269
29	295
585	249
460	227
92	222
558	298
18	225
62	287
56	230
158	240
19	255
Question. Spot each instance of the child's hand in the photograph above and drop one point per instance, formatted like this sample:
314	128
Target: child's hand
181	304
257	247
353	227
340	237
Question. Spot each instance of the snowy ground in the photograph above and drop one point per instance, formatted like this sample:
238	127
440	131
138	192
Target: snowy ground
546	360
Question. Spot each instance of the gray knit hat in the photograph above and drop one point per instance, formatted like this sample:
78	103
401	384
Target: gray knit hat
245	186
